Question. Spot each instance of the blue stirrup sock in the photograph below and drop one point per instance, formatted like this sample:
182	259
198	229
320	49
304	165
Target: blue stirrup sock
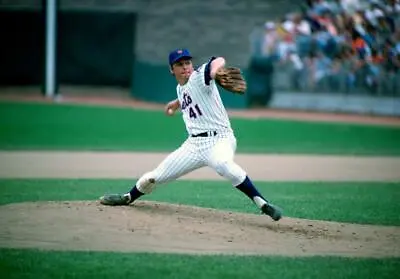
249	190
135	194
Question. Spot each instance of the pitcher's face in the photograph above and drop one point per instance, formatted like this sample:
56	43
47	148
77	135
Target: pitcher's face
182	69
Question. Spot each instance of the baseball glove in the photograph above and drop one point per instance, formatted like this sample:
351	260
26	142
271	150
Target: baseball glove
231	79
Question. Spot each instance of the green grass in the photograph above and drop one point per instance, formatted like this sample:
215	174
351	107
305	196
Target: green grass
43	265
69	127
365	203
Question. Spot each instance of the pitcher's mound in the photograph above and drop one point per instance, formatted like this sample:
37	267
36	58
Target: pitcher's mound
162	227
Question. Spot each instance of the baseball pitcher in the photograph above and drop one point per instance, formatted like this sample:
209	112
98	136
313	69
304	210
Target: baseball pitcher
211	141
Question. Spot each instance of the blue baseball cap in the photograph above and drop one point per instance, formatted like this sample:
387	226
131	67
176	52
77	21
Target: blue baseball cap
178	54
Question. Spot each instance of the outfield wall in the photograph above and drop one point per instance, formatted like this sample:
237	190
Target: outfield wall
340	103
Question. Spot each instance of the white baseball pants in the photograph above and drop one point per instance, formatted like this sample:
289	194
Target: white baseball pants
216	152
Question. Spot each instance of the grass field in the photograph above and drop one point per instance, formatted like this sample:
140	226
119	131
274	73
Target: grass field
48	265
44	126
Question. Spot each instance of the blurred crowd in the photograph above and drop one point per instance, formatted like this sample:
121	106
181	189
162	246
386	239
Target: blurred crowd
338	45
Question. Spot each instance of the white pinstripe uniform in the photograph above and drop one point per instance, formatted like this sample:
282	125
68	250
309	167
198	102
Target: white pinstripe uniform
203	112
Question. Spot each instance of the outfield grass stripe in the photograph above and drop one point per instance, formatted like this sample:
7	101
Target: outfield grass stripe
17	263
57	126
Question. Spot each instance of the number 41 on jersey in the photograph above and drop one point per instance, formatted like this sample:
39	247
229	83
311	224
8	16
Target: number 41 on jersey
193	113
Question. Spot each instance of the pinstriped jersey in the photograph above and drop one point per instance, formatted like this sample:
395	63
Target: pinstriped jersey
201	104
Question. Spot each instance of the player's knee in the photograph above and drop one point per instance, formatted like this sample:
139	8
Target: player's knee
146	183
231	171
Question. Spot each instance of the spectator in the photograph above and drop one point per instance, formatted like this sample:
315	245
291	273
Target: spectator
373	13
350	5
320	6
318	68
287	50
375	62
301	26
396	38
264	46
370	36
391	57
384	28
270	40
392	10
336	7
358	44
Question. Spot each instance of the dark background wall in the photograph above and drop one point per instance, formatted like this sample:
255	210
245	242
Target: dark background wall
95	48
126	42
206	27
22	47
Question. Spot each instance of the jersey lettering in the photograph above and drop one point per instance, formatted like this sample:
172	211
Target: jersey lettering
186	101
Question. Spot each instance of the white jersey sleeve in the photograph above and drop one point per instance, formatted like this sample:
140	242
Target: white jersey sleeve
201	104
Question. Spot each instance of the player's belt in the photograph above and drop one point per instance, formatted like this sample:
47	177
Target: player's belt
205	134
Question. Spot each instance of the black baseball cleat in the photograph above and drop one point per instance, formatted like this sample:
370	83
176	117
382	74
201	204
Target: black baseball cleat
115	199
271	210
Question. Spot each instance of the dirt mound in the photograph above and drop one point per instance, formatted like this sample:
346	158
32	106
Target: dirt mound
162	227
